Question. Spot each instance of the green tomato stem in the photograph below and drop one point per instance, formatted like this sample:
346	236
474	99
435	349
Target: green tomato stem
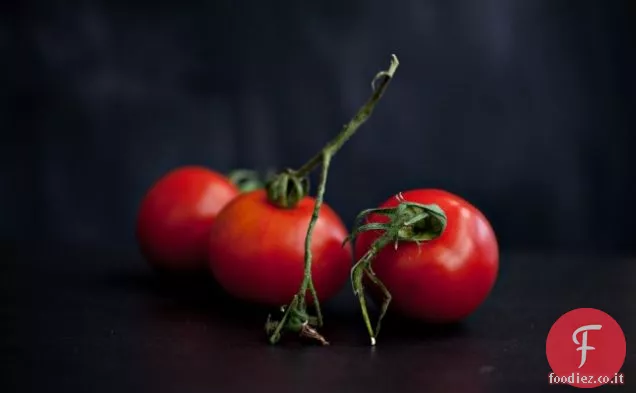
357	272
288	188
274	329
308	283
354	124
408	222
246	180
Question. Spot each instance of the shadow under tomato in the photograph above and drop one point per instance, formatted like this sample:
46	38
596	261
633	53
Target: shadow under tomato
199	297
397	328
197	294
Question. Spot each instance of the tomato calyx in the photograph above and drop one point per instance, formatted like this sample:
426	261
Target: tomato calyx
246	180
287	189
407	222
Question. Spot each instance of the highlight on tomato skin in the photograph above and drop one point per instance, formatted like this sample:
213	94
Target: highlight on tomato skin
175	217
256	250
442	280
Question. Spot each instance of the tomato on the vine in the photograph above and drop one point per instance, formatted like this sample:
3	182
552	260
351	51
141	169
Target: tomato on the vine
445	279
256	250
175	217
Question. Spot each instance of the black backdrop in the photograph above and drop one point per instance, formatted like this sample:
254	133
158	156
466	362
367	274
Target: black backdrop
524	108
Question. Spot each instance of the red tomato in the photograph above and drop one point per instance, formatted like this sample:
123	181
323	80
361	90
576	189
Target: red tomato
445	279
257	250
175	217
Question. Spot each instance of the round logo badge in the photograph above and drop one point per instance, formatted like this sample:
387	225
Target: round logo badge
585	348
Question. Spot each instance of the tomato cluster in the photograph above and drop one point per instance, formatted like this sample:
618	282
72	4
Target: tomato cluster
428	253
195	219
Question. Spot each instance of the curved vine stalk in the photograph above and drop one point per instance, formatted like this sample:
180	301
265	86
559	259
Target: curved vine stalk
407	222
289	187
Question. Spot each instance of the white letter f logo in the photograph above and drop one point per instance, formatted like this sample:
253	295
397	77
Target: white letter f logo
584	347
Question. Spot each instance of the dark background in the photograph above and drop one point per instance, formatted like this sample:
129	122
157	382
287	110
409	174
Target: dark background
525	108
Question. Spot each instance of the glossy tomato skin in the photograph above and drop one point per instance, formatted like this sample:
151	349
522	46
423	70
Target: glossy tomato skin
175	217
257	252
443	280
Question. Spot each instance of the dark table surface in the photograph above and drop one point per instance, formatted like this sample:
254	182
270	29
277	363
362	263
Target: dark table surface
81	320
